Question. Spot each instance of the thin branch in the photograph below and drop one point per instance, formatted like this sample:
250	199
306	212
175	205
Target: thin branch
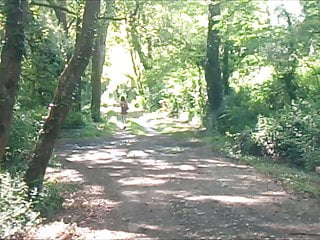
53	6
112	18
134	13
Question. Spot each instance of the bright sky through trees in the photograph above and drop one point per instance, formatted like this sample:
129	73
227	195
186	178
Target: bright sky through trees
292	6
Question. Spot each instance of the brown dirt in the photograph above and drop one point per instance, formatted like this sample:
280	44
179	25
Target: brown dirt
163	187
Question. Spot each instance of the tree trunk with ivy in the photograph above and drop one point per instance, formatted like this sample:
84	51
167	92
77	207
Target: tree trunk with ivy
63	97
212	67
10	68
98	58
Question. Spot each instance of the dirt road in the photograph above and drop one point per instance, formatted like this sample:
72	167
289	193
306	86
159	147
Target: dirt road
163	187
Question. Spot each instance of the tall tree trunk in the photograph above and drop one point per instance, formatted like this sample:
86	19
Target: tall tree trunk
212	67
10	68
76	106
98	58
226	68
63	97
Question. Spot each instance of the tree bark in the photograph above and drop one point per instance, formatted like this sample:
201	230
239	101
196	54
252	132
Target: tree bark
62	100
226	68
98	58
76	106
10	68
212	67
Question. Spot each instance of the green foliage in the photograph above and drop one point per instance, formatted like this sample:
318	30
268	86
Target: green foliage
16	212
42	65
292	133
74	120
25	128
242	109
49	201
90	129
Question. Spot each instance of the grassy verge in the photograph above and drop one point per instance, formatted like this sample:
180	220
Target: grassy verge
90	130
292	179
137	128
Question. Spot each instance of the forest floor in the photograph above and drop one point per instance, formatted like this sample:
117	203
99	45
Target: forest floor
169	186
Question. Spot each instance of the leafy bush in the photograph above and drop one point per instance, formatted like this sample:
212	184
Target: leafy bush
242	110
292	133
49	200
25	128
74	120
244	143
16	212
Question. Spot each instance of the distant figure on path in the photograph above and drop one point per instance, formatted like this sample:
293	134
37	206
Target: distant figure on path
124	108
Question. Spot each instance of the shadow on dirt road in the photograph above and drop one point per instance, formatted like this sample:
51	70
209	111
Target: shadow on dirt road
166	187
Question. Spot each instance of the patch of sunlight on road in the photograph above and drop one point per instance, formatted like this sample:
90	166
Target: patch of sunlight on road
141	181
96	190
137	154
273	193
110	235
61	230
97	155
186	168
65	175
231	200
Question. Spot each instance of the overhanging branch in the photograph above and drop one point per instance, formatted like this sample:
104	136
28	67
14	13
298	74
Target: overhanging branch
53	6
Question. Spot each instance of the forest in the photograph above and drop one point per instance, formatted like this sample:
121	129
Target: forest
248	72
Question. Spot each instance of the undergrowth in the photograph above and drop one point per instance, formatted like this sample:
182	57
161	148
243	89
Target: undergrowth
18	212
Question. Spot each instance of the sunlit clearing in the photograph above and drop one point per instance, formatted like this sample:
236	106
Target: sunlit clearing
141	181
231	199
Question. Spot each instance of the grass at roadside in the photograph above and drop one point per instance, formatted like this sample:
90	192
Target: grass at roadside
90	130
293	179
137	128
